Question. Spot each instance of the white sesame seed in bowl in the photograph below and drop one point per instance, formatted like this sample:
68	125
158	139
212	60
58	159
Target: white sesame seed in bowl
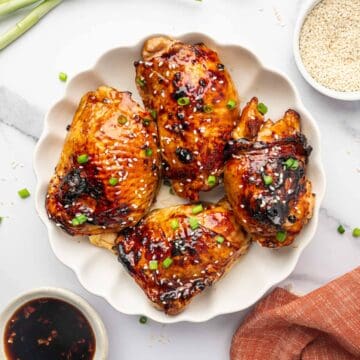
327	47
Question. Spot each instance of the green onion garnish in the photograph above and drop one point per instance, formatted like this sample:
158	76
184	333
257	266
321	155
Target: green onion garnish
113	181
143	320
153	264
79	220
171	191
281	236
122	119
194	223
146	122
207	108
63	76
24	193
83	159
153	114
340	229
183	101
174	223
267	179
148	152
291	163
219	239
211	180
140	82
197	209
295	165
167	262
1	219
231	104
356	232
262	108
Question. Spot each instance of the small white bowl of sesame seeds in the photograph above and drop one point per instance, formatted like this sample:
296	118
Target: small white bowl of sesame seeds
327	47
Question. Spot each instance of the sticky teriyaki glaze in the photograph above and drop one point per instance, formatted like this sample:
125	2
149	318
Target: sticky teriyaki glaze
265	177
48	329
197	107
108	173
174	254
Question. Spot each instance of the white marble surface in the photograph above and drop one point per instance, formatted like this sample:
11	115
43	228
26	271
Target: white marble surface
70	39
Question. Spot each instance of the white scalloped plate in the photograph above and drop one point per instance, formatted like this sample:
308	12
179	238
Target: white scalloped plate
97	269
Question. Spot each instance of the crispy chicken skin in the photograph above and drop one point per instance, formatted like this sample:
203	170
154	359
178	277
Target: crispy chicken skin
265	178
188	259
196	104
114	182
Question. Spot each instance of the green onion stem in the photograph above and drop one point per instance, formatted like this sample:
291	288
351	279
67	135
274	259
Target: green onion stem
7	7
27	22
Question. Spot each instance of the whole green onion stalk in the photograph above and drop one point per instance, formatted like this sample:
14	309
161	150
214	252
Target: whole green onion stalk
28	21
9	6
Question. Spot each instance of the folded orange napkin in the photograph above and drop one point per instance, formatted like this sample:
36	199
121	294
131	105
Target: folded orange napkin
322	325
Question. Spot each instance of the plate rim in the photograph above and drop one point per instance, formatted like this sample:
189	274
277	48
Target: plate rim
39	205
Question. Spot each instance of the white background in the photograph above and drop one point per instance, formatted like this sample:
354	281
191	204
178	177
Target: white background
70	39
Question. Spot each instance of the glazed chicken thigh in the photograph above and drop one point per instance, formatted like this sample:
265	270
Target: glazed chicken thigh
189	91
108	172
265	177
175	253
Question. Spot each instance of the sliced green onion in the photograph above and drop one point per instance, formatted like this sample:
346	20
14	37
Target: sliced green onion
153	114
197	209
340	229
356	232
153	264
267	179
167	262
174	223
140	82
24	193
171	191
183	101
113	181
219	239
231	104
281	236
122	119
83	159
148	152
295	165
211	180
143	320
262	108
79	220
27	22
63	76
1	219
146	122
291	163
207	108
194	223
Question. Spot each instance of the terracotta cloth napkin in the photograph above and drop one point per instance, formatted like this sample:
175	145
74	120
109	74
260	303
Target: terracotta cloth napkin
322	325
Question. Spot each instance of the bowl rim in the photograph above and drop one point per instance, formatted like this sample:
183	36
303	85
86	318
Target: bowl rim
319	194
101	337
335	94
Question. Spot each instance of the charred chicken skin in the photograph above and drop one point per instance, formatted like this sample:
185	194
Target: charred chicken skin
175	253
265	178
195	101
108	172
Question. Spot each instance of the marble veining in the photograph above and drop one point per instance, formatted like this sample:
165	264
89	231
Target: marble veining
29	86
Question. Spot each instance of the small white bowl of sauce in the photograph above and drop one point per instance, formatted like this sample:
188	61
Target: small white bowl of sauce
51	323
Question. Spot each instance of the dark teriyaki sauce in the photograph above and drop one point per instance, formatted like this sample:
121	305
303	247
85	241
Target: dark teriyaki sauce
47	328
